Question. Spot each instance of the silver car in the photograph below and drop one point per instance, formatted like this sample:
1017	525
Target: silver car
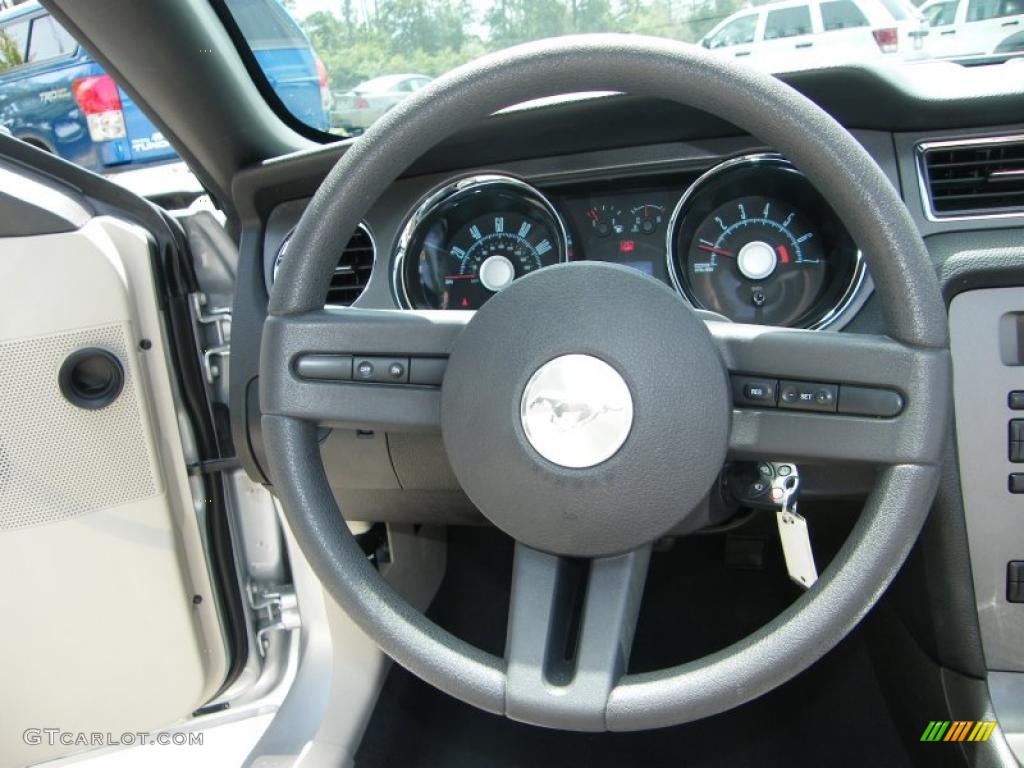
355	110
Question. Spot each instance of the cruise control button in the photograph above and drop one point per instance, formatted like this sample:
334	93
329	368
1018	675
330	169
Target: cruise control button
808	396
753	391
364	370
382	370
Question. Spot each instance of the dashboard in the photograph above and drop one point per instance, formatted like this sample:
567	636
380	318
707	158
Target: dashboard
699	206
747	238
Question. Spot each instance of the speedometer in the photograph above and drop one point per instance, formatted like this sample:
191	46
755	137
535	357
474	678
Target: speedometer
753	240
471	239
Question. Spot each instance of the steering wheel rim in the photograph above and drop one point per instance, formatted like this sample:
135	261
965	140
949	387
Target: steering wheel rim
913	358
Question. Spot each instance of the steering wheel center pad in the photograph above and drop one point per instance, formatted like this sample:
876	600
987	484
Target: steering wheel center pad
681	410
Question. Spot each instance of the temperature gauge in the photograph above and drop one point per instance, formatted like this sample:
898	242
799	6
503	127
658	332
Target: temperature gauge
646	219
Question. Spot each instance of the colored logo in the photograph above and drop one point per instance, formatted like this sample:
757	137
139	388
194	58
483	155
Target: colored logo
958	730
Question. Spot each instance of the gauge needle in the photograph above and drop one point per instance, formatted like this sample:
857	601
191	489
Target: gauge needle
459	277
712	249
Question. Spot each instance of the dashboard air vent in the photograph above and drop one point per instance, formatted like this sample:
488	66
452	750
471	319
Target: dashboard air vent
974	178
352	272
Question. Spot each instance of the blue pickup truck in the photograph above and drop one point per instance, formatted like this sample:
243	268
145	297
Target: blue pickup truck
54	96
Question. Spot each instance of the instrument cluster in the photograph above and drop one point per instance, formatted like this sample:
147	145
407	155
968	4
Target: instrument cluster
750	239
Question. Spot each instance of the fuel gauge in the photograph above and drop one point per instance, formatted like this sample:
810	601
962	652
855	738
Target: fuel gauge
606	220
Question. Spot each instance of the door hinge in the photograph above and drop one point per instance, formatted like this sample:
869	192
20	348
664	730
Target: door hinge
276	608
219	318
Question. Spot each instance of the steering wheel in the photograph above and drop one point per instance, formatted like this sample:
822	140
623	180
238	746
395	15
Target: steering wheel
649	382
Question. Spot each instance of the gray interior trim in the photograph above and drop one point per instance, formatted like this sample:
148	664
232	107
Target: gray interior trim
983	326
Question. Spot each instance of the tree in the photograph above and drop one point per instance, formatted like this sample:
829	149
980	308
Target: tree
10	51
591	16
432	36
426	25
517	21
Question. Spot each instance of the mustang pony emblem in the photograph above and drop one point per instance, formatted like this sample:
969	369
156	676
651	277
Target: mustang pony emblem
567	414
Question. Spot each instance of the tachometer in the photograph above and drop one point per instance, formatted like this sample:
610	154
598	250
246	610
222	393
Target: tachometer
472	239
754	241
756	259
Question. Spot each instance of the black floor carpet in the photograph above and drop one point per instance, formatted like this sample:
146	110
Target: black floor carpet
831	715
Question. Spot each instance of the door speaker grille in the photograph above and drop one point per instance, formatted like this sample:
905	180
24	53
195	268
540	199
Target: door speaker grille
58	461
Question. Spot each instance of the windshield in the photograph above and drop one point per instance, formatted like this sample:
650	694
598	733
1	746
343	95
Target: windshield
339	65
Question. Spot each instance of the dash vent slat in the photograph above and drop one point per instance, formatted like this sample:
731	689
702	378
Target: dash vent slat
353	270
974	178
352	273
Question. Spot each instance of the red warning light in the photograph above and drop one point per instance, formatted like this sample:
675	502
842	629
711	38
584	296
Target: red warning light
627	246
464	303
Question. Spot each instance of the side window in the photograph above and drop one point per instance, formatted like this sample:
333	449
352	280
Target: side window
736	32
898	9
941	14
13	41
788	22
266	24
841	14
49	40
406	86
982	10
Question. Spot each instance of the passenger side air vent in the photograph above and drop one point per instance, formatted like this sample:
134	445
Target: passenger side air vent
353	270
983	177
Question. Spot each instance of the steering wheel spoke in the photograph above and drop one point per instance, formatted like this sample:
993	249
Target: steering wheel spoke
316	373
570	630
842	363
